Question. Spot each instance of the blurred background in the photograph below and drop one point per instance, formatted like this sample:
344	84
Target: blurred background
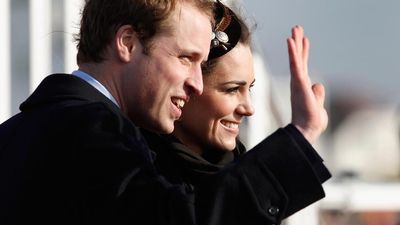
355	48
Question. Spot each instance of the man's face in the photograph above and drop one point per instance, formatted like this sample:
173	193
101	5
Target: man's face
161	82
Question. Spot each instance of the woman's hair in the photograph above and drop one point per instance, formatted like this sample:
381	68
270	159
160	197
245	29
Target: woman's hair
229	30
101	19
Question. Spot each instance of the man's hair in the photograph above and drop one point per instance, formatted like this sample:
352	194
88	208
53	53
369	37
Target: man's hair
101	19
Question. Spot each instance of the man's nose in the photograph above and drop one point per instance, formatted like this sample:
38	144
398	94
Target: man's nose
195	81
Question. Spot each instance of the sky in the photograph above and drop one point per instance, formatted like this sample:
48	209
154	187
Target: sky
355	44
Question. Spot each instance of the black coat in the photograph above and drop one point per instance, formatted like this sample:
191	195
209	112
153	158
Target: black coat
290	180
72	157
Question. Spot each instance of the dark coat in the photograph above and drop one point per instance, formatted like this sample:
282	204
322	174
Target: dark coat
72	157
66	157
290	179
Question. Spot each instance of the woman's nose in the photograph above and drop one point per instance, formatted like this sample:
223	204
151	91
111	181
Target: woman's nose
246	107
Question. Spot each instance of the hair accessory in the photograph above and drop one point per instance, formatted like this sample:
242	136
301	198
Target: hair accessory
220	38
226	32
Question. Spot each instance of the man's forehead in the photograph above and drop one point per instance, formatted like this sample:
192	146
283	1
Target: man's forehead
187	17
189	32
184	6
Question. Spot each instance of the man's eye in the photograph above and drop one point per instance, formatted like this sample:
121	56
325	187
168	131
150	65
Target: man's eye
185	59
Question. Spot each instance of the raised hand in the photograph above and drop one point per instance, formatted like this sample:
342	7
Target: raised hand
307	99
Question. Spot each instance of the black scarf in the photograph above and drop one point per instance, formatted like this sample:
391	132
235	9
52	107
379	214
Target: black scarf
177	162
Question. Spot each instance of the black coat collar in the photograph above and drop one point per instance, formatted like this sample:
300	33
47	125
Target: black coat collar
59	87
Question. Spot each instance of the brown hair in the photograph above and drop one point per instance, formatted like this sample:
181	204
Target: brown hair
102	18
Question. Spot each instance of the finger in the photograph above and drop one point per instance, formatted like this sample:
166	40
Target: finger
299	79
305	53
298	34
319	93
293	56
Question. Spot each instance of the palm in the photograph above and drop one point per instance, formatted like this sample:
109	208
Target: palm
307	100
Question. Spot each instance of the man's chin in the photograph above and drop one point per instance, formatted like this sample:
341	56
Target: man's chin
164	128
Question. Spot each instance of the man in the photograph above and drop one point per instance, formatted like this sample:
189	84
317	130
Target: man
74	155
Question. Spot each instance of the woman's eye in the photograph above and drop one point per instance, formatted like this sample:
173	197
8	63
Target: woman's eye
251	86
232	90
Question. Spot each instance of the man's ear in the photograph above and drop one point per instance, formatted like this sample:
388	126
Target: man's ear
126	42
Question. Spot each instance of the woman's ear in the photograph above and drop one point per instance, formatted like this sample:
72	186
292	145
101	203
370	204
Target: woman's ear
126	42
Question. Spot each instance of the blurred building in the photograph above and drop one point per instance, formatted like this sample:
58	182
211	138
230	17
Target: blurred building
367	145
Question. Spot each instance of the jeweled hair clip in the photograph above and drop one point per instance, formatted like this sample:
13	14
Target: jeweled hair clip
220	39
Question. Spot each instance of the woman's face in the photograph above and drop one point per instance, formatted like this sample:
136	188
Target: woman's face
212	120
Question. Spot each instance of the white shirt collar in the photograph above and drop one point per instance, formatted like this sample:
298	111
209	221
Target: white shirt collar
95	83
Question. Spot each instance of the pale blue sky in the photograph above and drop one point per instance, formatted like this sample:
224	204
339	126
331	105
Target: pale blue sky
355	44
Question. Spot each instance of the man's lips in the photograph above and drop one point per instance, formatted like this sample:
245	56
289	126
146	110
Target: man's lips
178	102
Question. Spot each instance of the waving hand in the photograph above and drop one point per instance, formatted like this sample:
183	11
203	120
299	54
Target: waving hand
307	99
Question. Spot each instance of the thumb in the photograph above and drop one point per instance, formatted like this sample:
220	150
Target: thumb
319	93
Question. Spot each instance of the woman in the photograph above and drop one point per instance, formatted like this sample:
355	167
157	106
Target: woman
282	174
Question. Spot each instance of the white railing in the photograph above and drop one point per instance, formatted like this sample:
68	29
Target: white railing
362	196
40	39
72	10
350	197
5	78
